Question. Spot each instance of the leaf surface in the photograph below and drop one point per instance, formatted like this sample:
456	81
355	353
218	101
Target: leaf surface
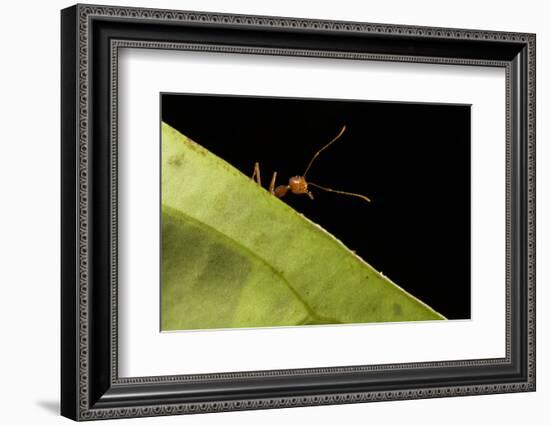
233	255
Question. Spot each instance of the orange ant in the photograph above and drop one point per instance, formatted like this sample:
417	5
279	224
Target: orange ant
298	184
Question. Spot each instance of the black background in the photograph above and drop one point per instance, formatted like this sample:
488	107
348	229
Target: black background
412	160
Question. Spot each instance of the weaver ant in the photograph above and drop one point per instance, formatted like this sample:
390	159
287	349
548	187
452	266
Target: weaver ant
298	184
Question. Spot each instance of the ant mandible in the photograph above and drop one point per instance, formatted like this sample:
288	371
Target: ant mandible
298	184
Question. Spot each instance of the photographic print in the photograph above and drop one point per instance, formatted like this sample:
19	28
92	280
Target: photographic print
299	212
346	208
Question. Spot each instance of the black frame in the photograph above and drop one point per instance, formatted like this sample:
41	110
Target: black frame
91	37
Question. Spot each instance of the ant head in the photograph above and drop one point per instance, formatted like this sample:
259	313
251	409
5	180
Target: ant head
298	185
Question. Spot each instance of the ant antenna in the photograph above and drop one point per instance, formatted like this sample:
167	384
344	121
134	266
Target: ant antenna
323	148
339	192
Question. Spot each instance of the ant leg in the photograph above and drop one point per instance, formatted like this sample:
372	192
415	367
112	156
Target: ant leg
272	184
310	195
256	175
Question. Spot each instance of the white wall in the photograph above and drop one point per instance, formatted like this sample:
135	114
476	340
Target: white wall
29	225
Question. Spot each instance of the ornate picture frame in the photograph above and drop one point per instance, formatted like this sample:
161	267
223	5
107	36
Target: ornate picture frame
91	39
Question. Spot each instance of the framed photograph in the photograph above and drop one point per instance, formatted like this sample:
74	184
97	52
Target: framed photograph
263	212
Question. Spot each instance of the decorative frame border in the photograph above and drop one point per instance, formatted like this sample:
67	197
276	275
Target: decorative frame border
82	406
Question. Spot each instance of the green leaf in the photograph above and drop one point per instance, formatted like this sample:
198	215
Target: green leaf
233	255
